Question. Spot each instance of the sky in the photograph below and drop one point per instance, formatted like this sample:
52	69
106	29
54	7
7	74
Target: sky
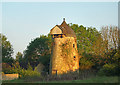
25	21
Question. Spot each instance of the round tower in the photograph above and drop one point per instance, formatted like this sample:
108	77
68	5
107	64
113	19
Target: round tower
64	52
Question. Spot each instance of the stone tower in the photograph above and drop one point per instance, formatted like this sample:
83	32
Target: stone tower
64	50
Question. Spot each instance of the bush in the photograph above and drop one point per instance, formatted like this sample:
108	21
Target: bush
85	63
15	68
6	68
39	67
29	73
108	70
23	72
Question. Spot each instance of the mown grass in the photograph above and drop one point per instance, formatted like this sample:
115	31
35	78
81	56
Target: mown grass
112	79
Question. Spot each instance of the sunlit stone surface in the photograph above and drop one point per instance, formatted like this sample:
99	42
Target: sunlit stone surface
64	52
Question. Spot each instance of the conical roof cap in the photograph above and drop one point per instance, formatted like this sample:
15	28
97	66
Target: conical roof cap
66	29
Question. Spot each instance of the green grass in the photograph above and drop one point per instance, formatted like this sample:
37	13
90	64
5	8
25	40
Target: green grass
112	79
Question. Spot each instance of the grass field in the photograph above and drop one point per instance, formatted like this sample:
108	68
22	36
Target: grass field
112	79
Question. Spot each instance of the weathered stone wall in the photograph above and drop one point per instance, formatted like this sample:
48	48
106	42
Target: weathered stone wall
9	76
64	55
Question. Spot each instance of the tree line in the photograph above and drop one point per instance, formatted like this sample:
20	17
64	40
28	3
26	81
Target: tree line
98	50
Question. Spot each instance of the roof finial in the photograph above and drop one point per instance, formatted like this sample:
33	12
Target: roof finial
63	19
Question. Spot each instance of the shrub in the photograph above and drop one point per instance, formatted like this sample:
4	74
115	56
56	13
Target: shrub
15	69
39	68
85	63
29	73
108	70
23	72
6	68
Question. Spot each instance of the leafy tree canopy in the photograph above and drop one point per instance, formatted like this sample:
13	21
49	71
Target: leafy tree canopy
85	37
37	50
7	50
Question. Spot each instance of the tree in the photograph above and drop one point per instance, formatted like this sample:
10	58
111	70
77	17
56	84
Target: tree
7	50
20	59
110	60
18	56
111	42
85	38
110	36
38	50
90	46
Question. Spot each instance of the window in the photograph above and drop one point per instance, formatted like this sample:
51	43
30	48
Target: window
73	45
74	57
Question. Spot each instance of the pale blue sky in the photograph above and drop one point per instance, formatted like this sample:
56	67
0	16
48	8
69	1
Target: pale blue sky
22	22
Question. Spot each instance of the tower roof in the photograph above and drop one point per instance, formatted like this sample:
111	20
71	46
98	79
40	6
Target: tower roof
66	29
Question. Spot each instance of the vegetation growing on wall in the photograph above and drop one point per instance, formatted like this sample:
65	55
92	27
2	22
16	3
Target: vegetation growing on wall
66	53
66	48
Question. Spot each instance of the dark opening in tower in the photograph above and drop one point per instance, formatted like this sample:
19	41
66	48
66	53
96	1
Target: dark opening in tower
58	36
